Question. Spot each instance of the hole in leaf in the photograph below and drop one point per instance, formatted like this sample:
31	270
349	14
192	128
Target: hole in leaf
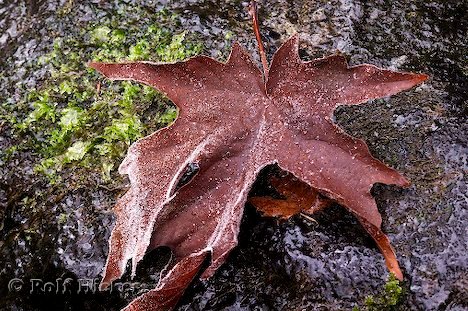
190	171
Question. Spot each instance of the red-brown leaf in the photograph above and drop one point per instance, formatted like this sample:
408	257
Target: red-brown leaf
299	197
233	124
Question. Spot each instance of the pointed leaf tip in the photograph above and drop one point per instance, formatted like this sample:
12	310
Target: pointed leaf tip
96	65
236	49
294	39
238	52
420	77
289	49
103	68
92	64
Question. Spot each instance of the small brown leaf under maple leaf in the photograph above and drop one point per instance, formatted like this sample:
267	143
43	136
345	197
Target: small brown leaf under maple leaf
232	124
300	198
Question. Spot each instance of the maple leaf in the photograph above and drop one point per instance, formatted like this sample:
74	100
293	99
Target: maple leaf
232	124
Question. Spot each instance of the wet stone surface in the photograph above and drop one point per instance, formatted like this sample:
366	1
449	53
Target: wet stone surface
52	232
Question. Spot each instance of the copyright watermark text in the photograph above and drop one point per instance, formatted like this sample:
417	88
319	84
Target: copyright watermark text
62	286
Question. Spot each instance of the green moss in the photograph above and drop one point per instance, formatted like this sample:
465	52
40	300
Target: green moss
79	118
389	299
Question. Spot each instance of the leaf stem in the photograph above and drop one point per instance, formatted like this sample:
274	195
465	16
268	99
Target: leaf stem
261	49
